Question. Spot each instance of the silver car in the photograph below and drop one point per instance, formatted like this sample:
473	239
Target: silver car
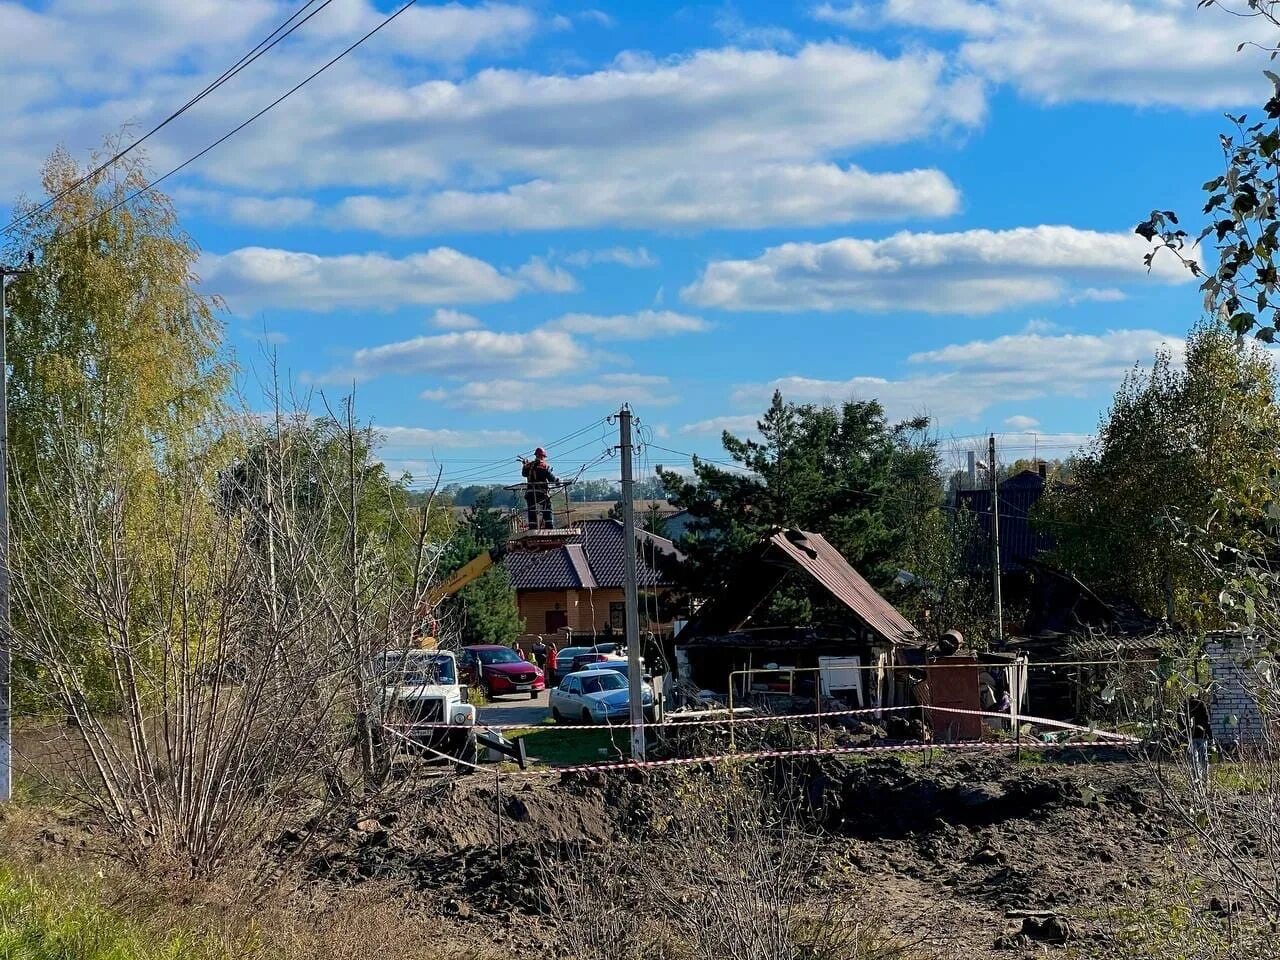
595	696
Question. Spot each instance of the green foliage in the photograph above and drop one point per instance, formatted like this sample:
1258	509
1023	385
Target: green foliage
108	330
871	489
38	923
1242	227
489	611
1185	458
116	368
648	518
486	608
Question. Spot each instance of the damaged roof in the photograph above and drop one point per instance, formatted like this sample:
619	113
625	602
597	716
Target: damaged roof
781	554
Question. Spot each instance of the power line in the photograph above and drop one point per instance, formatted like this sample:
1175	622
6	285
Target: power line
263	47
231	133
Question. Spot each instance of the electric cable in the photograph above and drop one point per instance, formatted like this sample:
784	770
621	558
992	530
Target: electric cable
262	48
235	130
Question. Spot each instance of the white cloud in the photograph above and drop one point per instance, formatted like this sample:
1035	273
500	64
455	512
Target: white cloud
645	325
1021	422
539	275
468	354
607	390
252	278
1098	295
716	137
272	338
973	272
634	257
734	28
1166	52
714	426
74	71
691	196
731	109
446	319
416	437
962	381
271	212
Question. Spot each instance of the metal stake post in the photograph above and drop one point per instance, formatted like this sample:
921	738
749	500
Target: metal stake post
6	637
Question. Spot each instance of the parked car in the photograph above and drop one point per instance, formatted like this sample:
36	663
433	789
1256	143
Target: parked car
621	666
595	696
584	660
500	670
564	663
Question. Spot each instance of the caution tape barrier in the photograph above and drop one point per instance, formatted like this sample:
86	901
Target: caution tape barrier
751	756
779	717
1104	739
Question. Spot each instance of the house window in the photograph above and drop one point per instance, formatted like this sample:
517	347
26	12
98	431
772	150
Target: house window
618	616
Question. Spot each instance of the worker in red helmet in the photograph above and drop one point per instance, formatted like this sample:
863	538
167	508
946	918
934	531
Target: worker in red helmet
537	492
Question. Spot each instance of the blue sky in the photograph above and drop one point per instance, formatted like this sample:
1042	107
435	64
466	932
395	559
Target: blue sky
502	220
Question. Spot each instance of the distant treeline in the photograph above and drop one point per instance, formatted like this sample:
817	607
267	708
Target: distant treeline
648	488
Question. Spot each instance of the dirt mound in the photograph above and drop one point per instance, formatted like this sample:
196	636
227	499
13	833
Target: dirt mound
1003	853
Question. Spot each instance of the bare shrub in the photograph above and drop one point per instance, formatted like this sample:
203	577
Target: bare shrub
197	632
733	872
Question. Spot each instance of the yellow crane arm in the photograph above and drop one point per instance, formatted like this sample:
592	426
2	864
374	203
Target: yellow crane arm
465	574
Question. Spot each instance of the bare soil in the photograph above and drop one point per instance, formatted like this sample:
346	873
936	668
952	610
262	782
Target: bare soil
976	854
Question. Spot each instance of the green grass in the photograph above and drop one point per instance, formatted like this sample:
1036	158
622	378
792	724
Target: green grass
1240	777
39	922
558	747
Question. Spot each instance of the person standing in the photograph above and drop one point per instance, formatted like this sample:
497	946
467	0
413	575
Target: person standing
537	493
551	660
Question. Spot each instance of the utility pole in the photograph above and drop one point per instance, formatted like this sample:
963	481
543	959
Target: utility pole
6	633
995	537
634	668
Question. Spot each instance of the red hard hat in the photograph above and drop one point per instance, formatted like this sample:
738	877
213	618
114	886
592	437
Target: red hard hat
539	452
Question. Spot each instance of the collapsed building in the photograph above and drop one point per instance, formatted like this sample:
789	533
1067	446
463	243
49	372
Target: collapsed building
856	658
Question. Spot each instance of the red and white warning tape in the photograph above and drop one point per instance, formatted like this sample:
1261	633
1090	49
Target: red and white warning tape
779	717
816	752
1105	739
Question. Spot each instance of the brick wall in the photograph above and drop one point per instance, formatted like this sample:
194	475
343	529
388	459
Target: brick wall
1233	712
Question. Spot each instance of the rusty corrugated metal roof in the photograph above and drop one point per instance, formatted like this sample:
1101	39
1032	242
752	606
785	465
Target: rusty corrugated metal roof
812	553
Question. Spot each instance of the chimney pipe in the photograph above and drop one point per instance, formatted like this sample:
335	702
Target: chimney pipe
1044	470
973	470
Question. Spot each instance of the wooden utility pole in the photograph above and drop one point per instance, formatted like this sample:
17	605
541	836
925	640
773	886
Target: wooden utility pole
995	537
6	633
631	591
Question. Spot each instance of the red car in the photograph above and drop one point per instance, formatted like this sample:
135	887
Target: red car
500	670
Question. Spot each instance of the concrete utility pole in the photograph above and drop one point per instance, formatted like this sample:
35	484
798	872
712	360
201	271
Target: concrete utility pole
634	666
995	536
6	721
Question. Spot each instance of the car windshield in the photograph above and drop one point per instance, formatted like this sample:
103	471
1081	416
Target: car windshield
500	655
603	681
418	669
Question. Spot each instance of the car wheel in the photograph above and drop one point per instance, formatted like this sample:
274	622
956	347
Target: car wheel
555	715
533	694
586	717
488	691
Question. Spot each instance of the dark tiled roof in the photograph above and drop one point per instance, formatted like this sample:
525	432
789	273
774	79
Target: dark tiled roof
1019	540
594	558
